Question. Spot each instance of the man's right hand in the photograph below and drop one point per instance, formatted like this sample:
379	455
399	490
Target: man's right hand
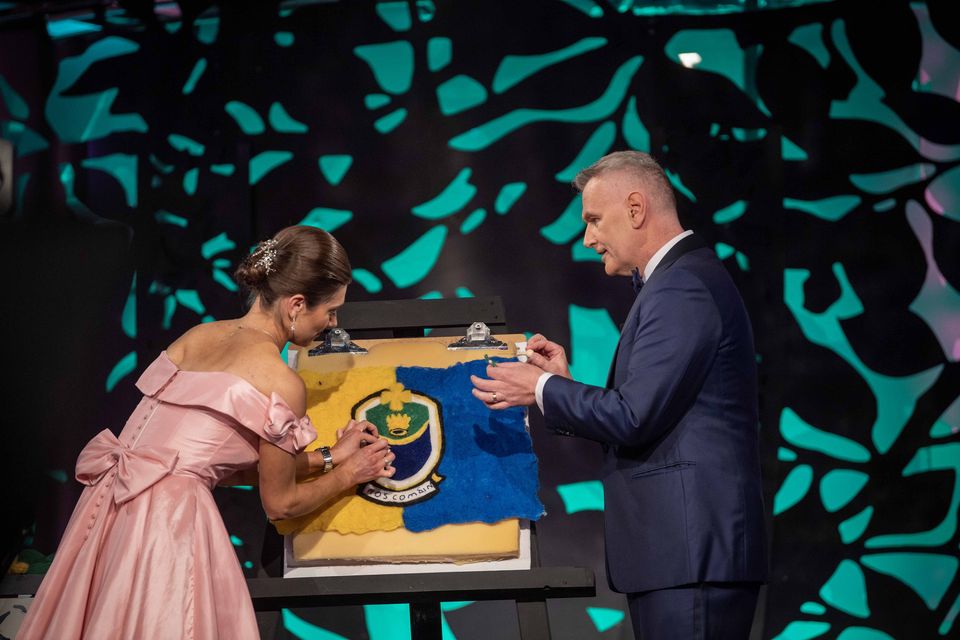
547	355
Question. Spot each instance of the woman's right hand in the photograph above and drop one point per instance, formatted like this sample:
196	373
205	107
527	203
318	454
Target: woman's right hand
373	461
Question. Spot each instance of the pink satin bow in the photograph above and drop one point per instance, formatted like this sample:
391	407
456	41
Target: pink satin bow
282	423
136	469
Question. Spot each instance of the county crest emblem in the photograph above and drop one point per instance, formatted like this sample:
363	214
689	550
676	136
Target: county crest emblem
412	423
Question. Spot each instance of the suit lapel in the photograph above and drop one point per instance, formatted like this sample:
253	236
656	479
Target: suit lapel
625	330
688	244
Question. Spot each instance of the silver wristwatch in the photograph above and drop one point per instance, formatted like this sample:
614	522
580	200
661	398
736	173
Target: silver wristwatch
327	459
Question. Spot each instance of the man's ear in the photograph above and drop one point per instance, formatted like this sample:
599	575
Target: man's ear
636	209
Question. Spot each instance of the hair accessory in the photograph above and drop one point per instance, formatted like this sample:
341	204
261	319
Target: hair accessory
266	254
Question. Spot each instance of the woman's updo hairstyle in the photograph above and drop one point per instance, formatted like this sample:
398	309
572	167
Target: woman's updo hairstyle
299	259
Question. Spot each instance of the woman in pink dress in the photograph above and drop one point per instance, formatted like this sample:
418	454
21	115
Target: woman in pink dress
145	554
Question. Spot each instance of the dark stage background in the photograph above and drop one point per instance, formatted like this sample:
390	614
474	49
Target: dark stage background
816	147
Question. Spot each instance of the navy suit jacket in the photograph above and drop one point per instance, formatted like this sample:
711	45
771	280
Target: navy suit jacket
683	498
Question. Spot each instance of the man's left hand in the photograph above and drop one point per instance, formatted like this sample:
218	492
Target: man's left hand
512	384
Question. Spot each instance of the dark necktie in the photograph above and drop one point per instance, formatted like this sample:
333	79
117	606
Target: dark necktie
637	280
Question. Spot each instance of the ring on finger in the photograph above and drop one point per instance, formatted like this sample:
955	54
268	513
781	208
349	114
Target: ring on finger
495	397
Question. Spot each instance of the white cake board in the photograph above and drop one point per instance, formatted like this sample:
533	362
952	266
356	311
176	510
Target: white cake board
293	568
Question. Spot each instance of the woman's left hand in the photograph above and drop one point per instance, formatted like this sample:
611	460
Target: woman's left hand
351	438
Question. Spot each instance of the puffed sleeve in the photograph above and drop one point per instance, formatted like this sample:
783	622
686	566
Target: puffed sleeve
284	429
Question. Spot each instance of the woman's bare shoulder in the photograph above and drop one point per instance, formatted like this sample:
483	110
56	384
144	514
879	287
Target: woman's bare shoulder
197	337
276	377
219	346
256	359
289	386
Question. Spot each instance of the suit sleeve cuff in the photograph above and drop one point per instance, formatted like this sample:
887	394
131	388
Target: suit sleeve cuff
541	381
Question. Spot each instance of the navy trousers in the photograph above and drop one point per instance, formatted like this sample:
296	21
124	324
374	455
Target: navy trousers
708	611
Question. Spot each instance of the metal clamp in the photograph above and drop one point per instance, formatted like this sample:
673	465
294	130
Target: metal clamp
337	341
478	337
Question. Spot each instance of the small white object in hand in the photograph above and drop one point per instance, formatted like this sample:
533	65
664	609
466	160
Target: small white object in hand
521	351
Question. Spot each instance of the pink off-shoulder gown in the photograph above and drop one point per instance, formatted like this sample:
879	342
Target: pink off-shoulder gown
145	554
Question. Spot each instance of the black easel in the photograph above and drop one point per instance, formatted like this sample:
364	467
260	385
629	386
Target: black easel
410	318
424	591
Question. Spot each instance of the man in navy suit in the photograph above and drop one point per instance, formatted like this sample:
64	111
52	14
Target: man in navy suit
684	517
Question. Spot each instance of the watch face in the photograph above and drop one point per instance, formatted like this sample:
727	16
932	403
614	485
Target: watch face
327	459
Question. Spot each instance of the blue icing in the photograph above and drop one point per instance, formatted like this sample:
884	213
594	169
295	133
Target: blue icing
488	466
410	457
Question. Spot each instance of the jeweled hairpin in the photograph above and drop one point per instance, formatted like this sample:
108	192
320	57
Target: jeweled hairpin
267	254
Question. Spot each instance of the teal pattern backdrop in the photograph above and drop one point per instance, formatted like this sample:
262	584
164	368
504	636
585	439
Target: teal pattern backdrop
816	147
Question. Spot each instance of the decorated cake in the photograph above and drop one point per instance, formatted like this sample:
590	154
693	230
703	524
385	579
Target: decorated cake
466	476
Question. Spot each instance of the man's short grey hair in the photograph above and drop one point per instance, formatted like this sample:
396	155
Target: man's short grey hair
640	164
